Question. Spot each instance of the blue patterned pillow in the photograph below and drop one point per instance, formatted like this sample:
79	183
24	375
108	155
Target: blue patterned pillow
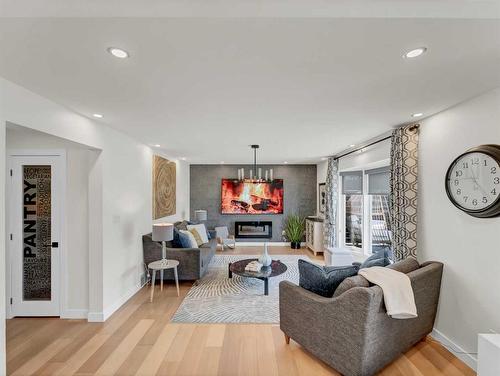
323	280
379	258
176	242
184	240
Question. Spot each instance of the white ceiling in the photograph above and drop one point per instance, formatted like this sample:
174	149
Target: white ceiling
252	8
206	88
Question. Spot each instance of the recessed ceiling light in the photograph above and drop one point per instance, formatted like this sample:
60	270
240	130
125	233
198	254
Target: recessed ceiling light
221	162
285	162
118	52
324	158
418	114
415	52
99	116
157	145
352	145
183	158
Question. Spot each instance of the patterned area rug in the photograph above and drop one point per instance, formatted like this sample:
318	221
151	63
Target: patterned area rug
218	299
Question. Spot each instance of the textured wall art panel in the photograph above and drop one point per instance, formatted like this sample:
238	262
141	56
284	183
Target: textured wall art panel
163	187
37	232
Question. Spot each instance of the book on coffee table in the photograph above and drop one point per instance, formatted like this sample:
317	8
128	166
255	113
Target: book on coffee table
253	266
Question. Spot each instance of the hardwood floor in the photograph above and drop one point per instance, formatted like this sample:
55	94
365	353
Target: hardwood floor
139	340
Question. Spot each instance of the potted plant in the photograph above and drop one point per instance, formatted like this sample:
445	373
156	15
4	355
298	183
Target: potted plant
294	229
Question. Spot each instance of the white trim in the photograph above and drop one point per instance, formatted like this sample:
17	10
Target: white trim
107	312
63	272
367	218
75	314
368	166
270	244
95	317
459	352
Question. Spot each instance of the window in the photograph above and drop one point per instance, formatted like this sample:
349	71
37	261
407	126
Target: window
354	220
352	191
380	230
364	221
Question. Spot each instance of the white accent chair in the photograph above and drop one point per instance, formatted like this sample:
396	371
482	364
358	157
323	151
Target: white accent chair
223	237
338	257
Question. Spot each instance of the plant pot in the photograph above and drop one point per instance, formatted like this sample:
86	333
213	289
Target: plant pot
295	245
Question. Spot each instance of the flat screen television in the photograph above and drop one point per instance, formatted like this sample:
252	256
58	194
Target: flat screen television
239	197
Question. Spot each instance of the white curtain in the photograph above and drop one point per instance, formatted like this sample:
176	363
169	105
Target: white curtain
331	203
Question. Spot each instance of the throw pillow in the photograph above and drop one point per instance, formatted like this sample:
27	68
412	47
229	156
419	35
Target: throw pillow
201	230
379	258
187	239
323	280
176	242
182	225
197	236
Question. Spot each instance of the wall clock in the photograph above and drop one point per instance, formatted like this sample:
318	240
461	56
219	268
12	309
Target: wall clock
473	181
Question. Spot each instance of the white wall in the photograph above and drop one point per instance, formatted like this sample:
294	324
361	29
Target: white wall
122	174
76	216
370	157
468	247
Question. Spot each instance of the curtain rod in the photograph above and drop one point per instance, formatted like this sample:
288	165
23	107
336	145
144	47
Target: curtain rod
412	128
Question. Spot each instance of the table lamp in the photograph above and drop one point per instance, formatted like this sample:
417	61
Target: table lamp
163	232
200	215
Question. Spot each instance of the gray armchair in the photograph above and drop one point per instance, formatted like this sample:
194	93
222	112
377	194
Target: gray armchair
351	331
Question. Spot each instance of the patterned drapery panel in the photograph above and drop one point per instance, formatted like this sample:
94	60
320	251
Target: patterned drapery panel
404	179
331	202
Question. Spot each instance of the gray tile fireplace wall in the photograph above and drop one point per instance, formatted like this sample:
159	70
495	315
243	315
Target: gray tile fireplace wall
299	194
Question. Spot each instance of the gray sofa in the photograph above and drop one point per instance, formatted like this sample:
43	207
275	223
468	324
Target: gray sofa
193	262
351	331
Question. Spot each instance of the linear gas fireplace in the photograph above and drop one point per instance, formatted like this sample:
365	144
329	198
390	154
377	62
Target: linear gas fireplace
254	230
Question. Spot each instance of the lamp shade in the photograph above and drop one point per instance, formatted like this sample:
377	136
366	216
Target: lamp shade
163	232
200	215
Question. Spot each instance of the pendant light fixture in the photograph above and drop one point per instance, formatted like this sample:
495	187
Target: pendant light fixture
255	175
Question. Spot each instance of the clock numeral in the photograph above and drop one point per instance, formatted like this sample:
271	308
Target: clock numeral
475	161
485	162
474	202
485	200
493	170
494	192
465	165
459	191
496	180
466	198
456	182
458	173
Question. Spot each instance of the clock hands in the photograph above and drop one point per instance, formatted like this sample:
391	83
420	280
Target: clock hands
477	183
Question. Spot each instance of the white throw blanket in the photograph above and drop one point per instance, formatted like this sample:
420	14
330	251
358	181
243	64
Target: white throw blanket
398	294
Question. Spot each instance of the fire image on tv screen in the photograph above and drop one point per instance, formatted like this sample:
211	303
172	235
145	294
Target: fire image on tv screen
252	197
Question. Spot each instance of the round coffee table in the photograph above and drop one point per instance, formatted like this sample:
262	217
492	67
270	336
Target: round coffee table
266	272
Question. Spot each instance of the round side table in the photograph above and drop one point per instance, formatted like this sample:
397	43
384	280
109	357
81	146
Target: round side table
162	265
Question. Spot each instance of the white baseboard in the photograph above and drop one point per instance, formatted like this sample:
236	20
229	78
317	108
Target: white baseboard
95	317
261	244
459	352
74	314
108	311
